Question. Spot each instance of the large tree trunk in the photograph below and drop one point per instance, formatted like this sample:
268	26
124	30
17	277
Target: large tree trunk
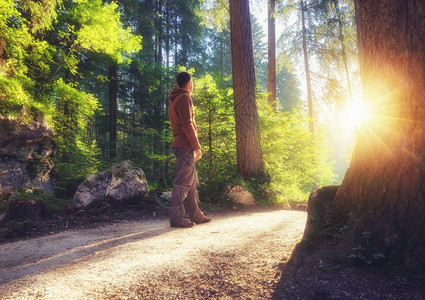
271	81
249	155
343	51
307	67
113	107
382	197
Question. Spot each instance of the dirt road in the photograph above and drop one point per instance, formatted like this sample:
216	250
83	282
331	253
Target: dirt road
234	257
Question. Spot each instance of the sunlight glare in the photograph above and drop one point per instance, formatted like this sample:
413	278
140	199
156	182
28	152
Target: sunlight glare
353	114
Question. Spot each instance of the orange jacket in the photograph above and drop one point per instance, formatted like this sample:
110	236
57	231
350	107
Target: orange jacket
182	119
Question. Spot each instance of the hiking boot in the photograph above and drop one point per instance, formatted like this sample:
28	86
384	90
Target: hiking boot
183	223
203	219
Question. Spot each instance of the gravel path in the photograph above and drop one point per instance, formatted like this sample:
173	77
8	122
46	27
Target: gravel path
236	256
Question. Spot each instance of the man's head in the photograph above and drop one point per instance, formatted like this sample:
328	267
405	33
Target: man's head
184	81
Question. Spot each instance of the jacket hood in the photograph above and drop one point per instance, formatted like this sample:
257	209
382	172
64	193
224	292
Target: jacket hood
177	92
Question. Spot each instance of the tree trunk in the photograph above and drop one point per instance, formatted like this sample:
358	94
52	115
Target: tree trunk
159	28
210	148
221	55
167	43
343	52
113	107
176	38
307	68
271	82
382	196
249	155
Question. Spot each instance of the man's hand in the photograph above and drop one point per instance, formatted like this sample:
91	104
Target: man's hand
198	154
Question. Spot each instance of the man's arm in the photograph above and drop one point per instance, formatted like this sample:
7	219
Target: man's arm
185	115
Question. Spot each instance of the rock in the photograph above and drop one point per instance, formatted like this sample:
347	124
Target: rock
239	194
127	184
165	197
26	154
92	189
122	183
2	217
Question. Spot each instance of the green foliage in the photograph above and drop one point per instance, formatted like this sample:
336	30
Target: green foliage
13	96
144	135
297	162
216	14
25	56
14	33
287	86
57	55
97	27
215	119
363	255
44	37
77	155
41	13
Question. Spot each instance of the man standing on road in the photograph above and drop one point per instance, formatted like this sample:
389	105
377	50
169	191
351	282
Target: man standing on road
188	151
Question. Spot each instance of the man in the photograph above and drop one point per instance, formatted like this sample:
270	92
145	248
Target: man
188	151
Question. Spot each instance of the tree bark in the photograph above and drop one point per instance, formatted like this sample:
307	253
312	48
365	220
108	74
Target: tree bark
210	148
167	42
159	28
307	68
249	155
382	196
113	107
343	51
176	39
271	82
221	55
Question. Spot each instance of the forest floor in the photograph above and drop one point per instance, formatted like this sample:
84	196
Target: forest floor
133	253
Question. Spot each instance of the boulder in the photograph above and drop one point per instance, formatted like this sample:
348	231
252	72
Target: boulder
26	154
127	184
122	183
165	197
239	194
92	189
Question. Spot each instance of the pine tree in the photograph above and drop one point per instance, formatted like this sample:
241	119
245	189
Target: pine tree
249	154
